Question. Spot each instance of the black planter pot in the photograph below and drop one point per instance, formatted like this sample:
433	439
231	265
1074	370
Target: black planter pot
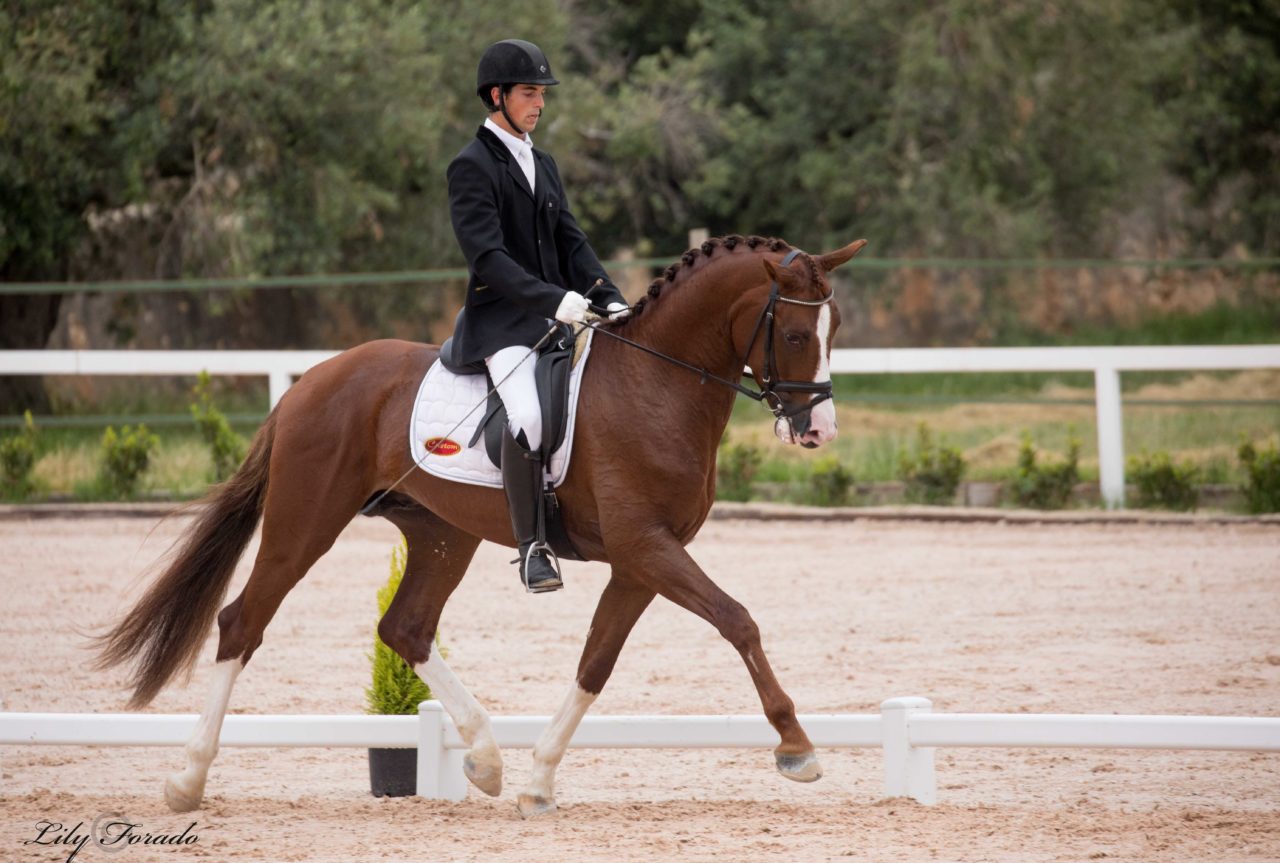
393	772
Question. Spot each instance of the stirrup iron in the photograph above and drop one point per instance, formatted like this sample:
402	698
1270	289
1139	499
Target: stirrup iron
550	555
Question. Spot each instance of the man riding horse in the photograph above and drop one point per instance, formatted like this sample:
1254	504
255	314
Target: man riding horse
526	254
334	447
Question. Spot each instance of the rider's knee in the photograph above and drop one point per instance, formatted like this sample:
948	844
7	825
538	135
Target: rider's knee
527	421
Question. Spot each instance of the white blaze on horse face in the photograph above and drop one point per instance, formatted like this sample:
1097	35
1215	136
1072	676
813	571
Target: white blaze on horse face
822	422
822	419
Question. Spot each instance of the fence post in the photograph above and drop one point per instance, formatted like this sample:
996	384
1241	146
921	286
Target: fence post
908	770
440	775
278	382
1106	390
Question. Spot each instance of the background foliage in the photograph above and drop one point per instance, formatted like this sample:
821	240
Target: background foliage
228	137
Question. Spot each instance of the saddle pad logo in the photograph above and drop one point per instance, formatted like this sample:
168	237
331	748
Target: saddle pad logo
441	446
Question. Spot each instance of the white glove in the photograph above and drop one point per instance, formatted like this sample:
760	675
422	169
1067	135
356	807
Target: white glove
573	308
618	311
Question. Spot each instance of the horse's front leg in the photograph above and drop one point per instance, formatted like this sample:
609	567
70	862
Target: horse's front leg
674	574
619	608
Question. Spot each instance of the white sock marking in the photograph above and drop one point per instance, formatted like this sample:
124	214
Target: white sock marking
203	744
468	715
551	746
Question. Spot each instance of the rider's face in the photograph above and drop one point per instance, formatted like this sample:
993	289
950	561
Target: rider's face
524	104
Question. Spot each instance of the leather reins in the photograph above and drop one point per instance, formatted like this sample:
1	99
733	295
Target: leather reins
769	392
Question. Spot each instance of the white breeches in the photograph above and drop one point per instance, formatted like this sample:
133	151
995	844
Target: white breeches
519	392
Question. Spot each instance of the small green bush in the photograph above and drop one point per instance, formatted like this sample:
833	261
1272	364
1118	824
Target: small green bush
736	467
125	456
395	690
829	483
1045	486
18	459
931	473
1261	486
226	447
1161	483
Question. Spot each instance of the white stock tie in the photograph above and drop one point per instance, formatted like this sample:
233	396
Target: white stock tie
524	157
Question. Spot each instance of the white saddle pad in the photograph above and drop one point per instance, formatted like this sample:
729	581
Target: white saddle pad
444	399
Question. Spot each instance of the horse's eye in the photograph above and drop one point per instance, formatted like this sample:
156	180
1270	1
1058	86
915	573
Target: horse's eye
793	339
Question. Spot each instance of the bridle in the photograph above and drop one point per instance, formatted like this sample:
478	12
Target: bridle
770	389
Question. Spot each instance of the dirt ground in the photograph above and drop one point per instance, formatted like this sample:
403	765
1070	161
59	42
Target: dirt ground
1067	618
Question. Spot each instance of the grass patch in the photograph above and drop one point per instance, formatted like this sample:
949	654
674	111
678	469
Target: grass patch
1204	432
178	468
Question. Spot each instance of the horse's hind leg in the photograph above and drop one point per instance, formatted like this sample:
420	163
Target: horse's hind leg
294	537
619	608
439	554
184	791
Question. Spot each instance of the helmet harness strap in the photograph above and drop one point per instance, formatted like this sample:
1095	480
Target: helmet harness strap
502	105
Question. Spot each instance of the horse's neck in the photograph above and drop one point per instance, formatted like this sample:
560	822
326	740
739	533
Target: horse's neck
691	322
691	318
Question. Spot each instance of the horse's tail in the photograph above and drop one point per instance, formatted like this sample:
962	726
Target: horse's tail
165	630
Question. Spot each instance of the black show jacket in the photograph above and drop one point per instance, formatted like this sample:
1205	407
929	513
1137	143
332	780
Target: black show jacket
524	249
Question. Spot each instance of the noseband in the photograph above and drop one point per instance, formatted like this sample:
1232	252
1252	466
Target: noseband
770	388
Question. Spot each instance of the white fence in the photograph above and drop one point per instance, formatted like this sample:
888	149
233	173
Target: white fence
906	730
1106	363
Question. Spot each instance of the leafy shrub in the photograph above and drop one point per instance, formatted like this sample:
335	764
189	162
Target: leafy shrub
1161	483
736	467
829	483
18	460
932	473
226	447
1261	487
125	456
1047	486
395	689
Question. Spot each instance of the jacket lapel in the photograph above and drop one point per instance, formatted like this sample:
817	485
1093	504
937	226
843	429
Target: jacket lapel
502	154
514	169
542	183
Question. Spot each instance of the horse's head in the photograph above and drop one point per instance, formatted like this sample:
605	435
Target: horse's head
789	343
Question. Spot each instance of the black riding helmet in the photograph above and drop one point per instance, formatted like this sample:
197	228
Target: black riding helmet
511	61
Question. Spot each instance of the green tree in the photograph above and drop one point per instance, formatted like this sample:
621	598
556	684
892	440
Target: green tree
954	127
1225	97
77	94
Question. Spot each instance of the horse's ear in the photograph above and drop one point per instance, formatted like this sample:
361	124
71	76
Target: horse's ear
781	275
831	260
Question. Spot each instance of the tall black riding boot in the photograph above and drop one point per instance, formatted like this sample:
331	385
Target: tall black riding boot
522	479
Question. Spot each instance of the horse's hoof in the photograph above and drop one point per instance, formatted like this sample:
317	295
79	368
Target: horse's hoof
485	776
533	805
801	767
181	799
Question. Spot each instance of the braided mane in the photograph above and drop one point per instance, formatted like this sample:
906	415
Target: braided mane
707	249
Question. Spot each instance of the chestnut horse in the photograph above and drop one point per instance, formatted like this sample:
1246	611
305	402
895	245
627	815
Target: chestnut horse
338	438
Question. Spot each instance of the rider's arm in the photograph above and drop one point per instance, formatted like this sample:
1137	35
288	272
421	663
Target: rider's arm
578	262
